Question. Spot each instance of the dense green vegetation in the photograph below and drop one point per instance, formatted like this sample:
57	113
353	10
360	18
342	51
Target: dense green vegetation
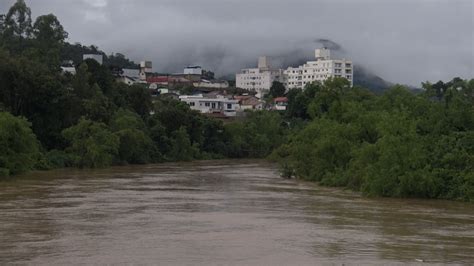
90	120
396	144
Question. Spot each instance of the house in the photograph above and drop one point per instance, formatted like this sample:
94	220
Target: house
249	102
193	70
128	76
68	69
214	84
159	80
280	103
211	105
129	80
67	66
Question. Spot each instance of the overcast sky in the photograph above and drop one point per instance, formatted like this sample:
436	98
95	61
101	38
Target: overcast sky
404	41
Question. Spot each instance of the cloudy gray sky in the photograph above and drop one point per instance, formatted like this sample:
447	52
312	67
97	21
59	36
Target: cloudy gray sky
404	41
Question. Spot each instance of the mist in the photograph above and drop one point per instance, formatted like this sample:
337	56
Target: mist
403	41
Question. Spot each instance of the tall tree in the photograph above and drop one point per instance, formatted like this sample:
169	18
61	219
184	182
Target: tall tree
49	37
277	89
17	26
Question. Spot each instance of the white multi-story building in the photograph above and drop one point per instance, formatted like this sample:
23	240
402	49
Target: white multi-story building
319	70
259	79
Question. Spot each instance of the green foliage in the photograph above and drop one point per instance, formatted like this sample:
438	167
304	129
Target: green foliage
182	149
19	149
91	144
277	90
136	147
398	144
257	136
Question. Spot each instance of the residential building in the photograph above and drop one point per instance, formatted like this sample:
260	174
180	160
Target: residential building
69	69
97	57
146	69
249	102
193	70
211	105
319	70
128	76
280	103
259	79
214	84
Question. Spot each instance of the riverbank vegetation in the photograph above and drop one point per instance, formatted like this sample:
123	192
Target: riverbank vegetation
397	144
51	119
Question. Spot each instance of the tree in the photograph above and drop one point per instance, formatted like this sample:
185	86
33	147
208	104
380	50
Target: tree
19	149
18	20
181	147
139	99
49	37
136	146
48	31
277	89
98	107
91	144
2	24
17	27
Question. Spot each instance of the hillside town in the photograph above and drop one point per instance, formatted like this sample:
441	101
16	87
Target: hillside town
199	88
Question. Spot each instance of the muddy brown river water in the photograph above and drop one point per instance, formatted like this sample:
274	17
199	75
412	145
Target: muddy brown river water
219	213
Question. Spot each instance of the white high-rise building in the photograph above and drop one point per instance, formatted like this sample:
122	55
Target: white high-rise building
320	70
259	79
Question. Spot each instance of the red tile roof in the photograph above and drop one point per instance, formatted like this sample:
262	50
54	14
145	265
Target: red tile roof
157	79
280	99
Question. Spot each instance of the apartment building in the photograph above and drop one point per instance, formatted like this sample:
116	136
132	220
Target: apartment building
259	79
319	70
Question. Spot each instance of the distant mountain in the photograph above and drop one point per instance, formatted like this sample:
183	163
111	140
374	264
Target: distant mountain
367	79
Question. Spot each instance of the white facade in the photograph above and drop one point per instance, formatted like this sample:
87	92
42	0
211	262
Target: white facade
205	105
97	57
71	70
221	84
145	68
320	70
259	79
193	70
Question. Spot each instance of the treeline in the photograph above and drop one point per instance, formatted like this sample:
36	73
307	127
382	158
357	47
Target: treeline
49	119
398	144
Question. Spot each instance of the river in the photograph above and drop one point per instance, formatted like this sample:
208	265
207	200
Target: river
219	213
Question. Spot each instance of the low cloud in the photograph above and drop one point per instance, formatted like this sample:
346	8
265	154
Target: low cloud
403	41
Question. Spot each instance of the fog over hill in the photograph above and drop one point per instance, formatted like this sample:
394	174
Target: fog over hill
402	41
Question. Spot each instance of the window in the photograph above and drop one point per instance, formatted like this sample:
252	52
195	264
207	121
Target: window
213	105
229	106
192	104
348	65
207	104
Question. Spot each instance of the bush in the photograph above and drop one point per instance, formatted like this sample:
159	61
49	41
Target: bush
91	144
19	149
